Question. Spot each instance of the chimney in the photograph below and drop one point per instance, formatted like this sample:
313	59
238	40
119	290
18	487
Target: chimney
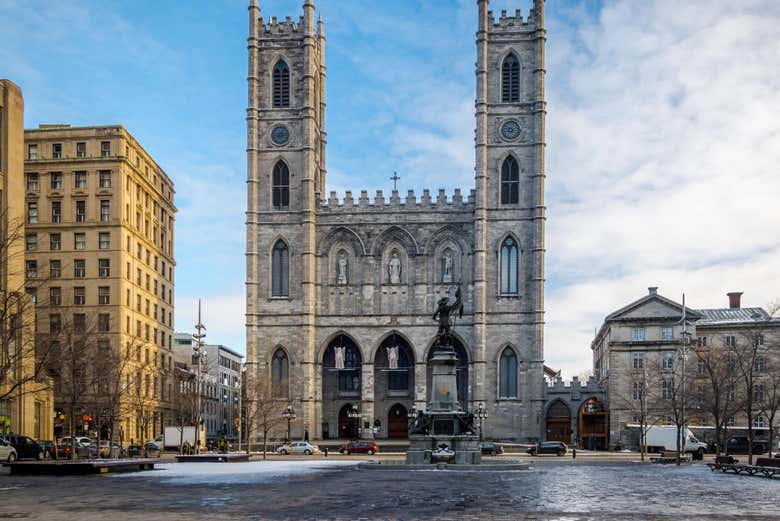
734	299
653	290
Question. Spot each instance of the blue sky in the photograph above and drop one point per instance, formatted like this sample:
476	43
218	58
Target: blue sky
662	144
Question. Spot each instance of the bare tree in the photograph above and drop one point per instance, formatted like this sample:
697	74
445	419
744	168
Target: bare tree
747	349
184	401
641	401
263	409
713	387
770	405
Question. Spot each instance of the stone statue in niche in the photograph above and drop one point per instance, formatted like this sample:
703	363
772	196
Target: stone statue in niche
339	351
392	357
394	268
446	267
342	265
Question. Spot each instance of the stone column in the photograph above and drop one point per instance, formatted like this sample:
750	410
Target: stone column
367	401
420	385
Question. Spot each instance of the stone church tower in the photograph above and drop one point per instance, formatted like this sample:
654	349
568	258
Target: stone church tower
340	293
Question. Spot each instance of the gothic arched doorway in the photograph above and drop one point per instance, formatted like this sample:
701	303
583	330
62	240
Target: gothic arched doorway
397	422
462	375
558	422
592	425
341	384
348	427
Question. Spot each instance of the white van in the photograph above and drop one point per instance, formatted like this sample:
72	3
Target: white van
663	437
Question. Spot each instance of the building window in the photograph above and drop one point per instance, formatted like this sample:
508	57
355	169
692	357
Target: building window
31	242
280	270
79	296
56	150
81	211
105	210
510	181
32	213
760	422
81	150
279	374
667	333
32	269
80	322
667	362
730	393
758	393
509	267
55	323
636	391
281	186
758	340
281	85
55	296
666	390
79	241
55	269
508	374
638	334
55	180
32	183
105	178
702	367
701	341
55	241
104	322
104	240
760	365
637	360
730	341
32	152
56	211
79	268
80	179
105	148
510	79
104	268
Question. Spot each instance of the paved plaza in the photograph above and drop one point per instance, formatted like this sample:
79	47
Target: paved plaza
335	490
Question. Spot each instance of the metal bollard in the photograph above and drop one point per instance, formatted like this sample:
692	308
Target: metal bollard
325	450
574	453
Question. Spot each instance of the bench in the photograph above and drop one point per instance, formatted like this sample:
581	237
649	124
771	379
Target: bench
667	457
767	467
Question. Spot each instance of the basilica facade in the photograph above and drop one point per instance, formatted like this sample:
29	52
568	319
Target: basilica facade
341	291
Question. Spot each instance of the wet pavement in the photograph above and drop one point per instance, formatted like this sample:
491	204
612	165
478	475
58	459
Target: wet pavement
551	490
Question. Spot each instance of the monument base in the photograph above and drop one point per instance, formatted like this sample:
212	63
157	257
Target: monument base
427	450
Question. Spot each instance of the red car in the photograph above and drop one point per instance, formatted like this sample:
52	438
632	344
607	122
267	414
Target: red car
359	447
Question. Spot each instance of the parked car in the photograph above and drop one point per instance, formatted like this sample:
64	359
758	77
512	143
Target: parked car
116	451
134	450
7	452
26	447
549	447
491	449
84	450
84	440
359	447
739	445
151	450
298	447
48	446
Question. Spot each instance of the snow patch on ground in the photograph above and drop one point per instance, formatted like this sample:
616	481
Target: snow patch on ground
232	473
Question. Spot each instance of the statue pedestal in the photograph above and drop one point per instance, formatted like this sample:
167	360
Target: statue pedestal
465	449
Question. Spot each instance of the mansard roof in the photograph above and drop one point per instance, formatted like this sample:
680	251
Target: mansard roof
733	316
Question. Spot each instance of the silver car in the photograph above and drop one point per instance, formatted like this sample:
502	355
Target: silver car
7	452
298	447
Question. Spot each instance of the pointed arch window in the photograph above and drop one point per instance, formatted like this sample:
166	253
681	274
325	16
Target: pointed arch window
280	270
509	266
281	85
280	369
281	186
507	371
510	181
510	79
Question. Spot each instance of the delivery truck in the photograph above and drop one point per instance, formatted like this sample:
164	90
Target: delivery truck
664	438
175	436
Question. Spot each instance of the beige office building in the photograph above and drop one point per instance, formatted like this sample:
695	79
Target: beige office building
25	398
100	234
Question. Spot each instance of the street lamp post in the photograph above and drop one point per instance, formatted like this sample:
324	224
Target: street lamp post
289	413
481	414
199	353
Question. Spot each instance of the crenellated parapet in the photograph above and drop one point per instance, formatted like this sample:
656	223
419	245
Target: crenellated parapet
287	26
440	202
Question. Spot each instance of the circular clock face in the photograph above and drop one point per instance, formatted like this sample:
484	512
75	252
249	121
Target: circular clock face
280	135
510	130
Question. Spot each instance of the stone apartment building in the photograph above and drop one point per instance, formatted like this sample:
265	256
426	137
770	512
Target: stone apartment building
26	403
99	253
340	292
640	345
